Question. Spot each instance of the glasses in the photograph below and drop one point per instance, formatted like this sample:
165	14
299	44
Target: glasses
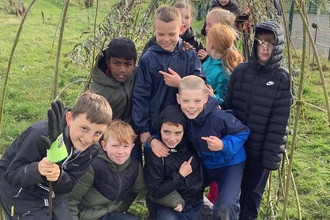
264	44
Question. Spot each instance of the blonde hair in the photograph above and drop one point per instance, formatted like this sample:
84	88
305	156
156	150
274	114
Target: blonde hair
167	13
222	16
120	131
185	5
192	82
223	37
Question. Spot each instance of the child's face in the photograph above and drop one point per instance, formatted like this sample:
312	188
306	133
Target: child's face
264	51
121	69
171	134
116	152
167	34
210	21
223	2
186	18
192	102
82	132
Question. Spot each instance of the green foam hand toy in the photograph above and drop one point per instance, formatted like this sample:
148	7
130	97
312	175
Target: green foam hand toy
56	149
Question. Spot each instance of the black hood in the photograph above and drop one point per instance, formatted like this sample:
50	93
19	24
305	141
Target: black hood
275	59
172	113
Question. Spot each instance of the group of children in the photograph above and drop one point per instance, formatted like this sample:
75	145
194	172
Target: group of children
202	116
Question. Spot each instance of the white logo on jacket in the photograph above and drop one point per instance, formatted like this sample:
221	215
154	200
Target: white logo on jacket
270	83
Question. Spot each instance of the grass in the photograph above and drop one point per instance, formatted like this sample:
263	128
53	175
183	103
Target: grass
30	87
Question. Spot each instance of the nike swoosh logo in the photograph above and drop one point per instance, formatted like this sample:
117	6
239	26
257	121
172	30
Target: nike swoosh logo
270	83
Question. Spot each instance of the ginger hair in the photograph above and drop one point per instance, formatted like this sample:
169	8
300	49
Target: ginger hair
222	37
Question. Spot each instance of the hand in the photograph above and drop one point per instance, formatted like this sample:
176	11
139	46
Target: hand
178	208
213	143
48	169
187	46
56	149
144	136
158	148
185	168
209	90
202	54
171	79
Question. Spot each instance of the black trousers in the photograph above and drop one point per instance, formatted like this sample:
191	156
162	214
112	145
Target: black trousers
252	188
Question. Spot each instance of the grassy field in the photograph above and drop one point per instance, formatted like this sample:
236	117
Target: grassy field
31	82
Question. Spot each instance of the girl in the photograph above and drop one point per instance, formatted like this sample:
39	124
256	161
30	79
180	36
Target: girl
188	34
217	15
223	58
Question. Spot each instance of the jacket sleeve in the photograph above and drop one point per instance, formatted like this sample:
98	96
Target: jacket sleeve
154	174
235	134
141	96
195	65
277	133
172	200
23	169
140	186
84	184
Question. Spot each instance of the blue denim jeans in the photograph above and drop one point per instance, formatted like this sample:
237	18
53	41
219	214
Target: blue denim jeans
229	179
189	212
119	215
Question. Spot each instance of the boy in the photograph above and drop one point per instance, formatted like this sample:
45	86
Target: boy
260	96
180	171
160	70
218	138
111	176
114	80
26	172
114	76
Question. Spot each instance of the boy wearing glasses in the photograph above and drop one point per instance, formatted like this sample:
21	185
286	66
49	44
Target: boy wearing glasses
260	96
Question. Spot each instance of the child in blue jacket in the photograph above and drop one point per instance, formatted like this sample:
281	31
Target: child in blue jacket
218	138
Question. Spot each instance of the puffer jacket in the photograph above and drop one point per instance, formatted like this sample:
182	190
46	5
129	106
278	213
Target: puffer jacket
260	97
150	93
118	94
100	190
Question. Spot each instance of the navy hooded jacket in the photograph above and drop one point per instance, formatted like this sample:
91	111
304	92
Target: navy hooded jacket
213	121
150	93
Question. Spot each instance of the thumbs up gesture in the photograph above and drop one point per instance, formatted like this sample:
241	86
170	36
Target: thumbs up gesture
185	168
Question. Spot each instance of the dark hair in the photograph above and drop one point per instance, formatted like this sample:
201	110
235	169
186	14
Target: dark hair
121	47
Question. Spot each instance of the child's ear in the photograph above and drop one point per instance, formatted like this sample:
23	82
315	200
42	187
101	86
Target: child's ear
103	145
68	118
206	97
178	98
107	60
